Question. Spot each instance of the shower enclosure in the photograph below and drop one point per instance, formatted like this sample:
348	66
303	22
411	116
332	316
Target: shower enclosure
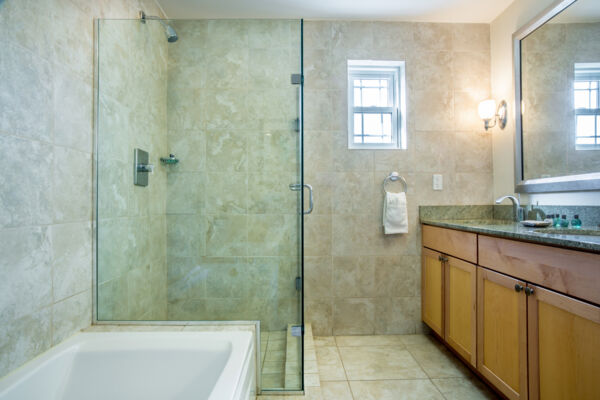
198	171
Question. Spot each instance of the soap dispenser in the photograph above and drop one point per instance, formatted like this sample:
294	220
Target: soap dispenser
576	222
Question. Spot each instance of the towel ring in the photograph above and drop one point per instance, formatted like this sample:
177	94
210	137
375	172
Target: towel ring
393	177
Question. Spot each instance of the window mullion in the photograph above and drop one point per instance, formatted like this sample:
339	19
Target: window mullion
374	110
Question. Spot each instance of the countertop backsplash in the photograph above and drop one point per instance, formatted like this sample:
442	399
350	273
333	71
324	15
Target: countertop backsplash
589	215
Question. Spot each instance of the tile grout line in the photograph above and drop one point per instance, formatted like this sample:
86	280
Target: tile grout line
344	368
437	388
337	349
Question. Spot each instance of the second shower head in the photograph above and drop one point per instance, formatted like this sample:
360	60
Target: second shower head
169	31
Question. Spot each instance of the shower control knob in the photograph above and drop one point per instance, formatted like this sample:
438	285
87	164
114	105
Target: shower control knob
145	168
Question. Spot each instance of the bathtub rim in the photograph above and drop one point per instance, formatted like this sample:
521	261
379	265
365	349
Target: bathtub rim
255	324
73	344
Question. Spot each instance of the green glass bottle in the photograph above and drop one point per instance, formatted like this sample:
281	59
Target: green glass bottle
576	222
556	221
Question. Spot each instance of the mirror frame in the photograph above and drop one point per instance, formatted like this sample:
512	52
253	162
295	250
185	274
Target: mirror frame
568	183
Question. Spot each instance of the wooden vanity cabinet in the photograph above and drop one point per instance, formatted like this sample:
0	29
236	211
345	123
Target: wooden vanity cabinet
460	308
564	346
526	317
459	244
449	287
432	290
502	332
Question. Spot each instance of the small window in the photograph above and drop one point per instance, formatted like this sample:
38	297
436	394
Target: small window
587	106
376	109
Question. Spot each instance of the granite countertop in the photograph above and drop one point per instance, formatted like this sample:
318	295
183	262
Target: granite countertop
513	230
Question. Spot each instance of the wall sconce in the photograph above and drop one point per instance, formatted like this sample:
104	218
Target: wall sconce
492	115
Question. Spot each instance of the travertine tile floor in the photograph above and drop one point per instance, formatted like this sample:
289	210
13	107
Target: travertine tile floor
394	367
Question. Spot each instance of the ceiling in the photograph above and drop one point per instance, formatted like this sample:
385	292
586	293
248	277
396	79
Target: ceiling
480	11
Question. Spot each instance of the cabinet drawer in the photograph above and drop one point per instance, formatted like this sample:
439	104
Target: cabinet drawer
567	271
455	243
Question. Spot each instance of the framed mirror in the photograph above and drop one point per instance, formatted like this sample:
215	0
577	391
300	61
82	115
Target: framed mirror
557	84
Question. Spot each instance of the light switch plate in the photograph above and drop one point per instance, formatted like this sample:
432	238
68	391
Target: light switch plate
438	182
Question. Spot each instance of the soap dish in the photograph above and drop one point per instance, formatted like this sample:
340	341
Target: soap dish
536	224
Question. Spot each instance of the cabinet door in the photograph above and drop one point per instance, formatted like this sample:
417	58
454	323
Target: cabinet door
502	332
564	347
460	307
432	290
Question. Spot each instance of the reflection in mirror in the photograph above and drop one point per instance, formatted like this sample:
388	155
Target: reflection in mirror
560	79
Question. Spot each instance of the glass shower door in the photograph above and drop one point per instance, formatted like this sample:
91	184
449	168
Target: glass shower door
198	141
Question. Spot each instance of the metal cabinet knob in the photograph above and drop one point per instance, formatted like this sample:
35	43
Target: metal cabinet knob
518	287
528	291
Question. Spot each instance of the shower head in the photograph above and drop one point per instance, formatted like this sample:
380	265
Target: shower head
169	31
171	34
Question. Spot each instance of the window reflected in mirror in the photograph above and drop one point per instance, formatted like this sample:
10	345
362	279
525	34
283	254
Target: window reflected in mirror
587	110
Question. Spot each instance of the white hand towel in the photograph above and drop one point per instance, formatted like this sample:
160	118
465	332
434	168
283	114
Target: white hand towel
395	215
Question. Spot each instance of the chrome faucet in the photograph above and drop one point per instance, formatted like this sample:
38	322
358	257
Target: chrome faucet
517	209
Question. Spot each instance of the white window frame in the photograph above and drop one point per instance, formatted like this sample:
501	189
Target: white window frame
384	70
588	72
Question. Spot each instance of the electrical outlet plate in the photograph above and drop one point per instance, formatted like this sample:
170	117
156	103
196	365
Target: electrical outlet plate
438	182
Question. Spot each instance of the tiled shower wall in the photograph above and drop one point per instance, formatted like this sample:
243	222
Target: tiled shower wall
357	280
46	69
132	225
232	222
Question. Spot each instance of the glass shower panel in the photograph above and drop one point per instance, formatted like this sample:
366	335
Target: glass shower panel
131	220
216	235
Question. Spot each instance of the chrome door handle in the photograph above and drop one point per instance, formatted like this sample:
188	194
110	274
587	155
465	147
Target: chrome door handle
311	200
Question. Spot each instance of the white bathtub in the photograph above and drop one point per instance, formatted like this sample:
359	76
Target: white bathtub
139	365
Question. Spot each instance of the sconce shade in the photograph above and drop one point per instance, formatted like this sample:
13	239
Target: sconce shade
487	110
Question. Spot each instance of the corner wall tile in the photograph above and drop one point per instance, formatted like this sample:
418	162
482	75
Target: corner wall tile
24	338
72	259
71	315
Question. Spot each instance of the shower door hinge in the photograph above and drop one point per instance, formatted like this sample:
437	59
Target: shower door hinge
298	283
297	330
297	79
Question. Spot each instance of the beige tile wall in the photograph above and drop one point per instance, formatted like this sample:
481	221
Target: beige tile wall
549	128
357	280
132	224
46	71
232	222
